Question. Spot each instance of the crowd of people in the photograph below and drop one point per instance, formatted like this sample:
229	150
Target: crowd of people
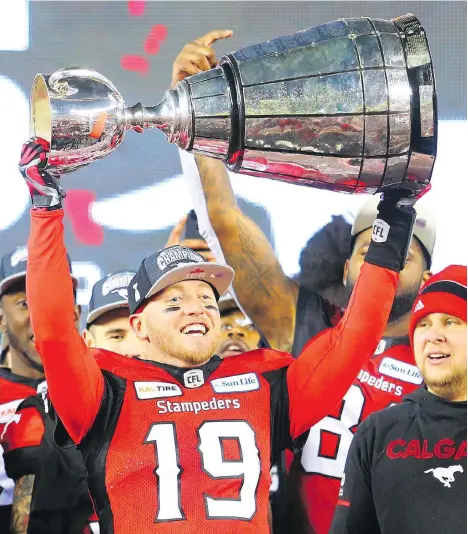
209	391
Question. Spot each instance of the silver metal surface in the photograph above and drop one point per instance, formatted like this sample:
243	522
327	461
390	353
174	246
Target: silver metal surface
348	106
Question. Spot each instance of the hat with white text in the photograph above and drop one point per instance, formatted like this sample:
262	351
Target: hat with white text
173	265
110	293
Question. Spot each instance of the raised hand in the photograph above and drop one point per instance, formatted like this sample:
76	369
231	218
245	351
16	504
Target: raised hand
197	56
199	245
44	189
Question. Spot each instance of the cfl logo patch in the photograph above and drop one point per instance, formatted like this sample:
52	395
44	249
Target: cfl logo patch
380	231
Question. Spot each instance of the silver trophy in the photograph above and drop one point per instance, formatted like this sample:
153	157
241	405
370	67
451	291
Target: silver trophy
347	106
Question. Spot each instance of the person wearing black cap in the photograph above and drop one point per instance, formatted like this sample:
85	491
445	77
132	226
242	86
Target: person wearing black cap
107	325
38	477
406	469
180	438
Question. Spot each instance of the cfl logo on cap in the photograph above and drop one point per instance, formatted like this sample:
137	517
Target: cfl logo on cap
194	378
380	231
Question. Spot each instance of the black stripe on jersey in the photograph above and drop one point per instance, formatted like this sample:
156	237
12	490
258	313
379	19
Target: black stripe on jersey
178	373
446	286
95	447
7	375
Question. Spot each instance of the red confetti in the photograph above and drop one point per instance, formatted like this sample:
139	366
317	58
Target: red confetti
156	36
136	8
135	63
152	45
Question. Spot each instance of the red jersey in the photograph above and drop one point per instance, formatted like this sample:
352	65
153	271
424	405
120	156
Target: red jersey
171	450
13	390
383	381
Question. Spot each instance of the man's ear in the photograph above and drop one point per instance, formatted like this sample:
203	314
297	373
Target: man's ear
425	278
345	271
2	321
77	314
138	323
89	339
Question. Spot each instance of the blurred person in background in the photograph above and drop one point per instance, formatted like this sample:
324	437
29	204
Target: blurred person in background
107	325
287	314
406	468
238	334
34	469
323	259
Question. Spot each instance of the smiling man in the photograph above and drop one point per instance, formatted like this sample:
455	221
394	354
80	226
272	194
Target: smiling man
238	334
204	465
406	469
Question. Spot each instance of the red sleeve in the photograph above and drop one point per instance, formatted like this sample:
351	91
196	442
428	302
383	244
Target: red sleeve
326	368
24	429
75	382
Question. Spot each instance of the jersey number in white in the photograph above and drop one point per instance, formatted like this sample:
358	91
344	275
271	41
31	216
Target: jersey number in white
211	434
312	460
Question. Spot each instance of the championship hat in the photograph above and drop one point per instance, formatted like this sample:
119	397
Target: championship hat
445	292
172	265
424	226
110	293
13	268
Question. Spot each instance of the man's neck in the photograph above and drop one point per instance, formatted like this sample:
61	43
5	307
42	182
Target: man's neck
398	328
450	394
166	359
19	366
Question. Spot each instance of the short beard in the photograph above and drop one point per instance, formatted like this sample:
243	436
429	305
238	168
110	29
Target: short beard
191	358
402	304
449	387
15	344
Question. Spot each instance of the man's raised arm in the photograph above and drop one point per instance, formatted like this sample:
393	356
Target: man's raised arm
265	293
325	370
75	382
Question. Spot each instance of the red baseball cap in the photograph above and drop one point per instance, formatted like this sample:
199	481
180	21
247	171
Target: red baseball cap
444	292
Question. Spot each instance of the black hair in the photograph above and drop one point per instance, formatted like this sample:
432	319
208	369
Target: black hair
323	258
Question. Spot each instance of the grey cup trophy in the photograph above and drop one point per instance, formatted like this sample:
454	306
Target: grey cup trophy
348	106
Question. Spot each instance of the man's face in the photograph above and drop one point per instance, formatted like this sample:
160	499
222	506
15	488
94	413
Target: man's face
181	322
238	335
16	324
112	331
440	352
411	277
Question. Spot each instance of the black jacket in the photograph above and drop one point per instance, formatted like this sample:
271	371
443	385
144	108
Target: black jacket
406	471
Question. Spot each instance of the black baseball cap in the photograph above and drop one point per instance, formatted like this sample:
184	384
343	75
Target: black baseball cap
110	293
13	268
172	265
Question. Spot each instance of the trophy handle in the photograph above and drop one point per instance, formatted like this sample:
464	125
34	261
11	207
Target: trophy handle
59	76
